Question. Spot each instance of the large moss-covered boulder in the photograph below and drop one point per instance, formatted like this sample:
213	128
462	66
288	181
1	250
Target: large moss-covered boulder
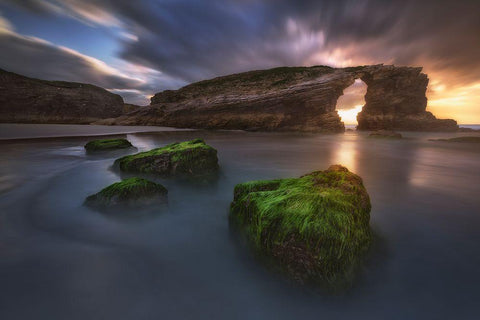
132	192
314	228
191	158
107	144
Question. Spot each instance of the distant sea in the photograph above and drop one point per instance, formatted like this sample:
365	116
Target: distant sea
471	126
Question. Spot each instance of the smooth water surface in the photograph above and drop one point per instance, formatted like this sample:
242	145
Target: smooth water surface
61	260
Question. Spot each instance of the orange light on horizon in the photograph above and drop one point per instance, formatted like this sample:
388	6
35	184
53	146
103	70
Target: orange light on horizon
349	116
460	103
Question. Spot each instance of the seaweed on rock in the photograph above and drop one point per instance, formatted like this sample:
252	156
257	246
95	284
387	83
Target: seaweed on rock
190	158
129	192
107	144
314	228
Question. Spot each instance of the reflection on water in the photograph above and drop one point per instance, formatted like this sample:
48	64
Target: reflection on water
346	152
62	260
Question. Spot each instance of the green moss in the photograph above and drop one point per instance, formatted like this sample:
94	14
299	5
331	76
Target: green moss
471	139
127	191
193	157
107	144
316	227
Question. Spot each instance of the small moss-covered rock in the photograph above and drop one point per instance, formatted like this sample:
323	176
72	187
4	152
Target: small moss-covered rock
388	134
129	192
314	228
472	139
107	144
191	158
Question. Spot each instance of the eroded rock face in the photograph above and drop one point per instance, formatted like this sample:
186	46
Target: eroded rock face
29	100
281	99
295	99
396	100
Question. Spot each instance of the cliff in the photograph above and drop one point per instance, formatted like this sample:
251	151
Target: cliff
280	99
295	99
28	100
396	100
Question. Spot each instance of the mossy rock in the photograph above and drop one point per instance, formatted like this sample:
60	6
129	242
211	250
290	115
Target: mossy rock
107	144
132	192
191	158
472	139
314	228
385	134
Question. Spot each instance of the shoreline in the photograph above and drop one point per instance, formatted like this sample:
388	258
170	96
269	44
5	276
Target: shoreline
55	130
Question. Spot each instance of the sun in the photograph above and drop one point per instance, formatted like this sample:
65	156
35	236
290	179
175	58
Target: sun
349	116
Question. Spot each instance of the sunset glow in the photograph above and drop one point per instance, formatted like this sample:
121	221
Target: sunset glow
239	159
349	116
136	47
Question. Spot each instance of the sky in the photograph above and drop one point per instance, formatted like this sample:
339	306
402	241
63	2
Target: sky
138	48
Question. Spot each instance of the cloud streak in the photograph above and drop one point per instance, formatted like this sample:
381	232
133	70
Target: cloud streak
38	58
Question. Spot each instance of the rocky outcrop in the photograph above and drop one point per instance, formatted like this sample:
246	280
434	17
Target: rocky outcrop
314	228
107	145
473	139
281	99
132	192
295	99
28	100
192	158
385	134
396	100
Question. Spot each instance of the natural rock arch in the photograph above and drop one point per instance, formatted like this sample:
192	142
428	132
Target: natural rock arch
295	99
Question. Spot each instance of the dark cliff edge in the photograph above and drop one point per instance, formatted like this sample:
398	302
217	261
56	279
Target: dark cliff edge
295	99
29	100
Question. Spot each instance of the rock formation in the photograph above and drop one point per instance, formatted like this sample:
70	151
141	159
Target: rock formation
295	99
314	228
396	100
385	134
192	158
107	145
132	192
472	139
28	100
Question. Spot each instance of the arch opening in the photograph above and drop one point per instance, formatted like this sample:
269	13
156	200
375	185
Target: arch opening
351	103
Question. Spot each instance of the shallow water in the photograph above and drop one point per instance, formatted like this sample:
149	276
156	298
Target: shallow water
61	260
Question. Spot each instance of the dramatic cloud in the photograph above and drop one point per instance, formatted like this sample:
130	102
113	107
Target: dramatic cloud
189	40
39	58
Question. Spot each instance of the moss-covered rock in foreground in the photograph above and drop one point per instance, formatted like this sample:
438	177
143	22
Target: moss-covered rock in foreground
191	158
472	139
107	144
314	228
128	192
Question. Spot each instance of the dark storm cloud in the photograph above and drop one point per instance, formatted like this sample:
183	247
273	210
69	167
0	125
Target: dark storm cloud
37	58
199	39
193	40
